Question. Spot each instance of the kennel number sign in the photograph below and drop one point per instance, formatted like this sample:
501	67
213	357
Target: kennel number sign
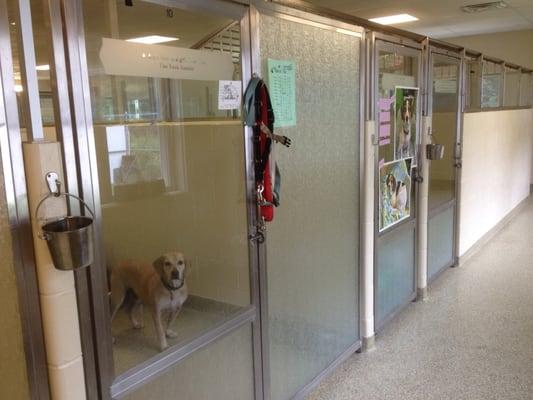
282	88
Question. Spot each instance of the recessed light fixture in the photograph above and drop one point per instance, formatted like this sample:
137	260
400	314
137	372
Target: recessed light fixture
44	67
394	19
152	39
18	88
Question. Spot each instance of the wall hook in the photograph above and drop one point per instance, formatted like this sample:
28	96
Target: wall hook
53	183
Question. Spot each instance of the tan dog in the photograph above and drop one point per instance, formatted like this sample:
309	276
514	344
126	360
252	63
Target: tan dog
160	286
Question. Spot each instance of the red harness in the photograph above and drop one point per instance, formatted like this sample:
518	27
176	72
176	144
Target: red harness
264	186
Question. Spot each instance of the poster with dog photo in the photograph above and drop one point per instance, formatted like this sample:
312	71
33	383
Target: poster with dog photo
405	122
394	192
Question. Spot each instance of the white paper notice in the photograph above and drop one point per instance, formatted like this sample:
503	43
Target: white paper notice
120	57
229	95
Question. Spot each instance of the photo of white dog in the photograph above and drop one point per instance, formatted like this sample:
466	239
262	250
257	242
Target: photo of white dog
405	137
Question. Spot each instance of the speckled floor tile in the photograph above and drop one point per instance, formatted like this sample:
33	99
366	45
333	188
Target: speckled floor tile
472	339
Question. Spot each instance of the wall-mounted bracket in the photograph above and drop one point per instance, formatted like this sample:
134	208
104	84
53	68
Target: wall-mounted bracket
53	183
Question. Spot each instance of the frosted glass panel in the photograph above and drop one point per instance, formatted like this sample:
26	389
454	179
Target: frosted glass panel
395	271
440	241
491	84
512	87
221	371
526	89
313	241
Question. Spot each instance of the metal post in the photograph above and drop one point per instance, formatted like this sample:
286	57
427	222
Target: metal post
367	217
423	186
30	93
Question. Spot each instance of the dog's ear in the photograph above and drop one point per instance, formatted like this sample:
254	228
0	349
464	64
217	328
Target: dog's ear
158	265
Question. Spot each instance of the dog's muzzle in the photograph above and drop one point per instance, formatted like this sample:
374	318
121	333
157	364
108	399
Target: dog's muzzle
176	282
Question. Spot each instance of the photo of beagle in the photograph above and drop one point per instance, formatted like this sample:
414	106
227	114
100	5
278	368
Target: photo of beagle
405	124
394	192
160	286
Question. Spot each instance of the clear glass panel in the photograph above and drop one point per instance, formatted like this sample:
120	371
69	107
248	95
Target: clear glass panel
222	371
512	87
440	241
526	89
473	88
444	117
170	170
313	241
395	271
397	138
43	61
491	85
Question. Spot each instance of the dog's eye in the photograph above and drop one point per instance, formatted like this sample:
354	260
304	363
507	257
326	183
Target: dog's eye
180	262
167	263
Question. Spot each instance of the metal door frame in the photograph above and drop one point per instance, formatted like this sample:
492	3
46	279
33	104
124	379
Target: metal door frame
433	52
18	213
70	79
405	47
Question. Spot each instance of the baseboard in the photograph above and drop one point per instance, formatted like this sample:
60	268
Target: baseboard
493	232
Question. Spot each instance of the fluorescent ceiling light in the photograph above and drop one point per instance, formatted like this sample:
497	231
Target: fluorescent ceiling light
394	19
44	67
18	88
153	39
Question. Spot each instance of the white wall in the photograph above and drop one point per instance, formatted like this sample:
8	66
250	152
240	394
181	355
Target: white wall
497	152
515	47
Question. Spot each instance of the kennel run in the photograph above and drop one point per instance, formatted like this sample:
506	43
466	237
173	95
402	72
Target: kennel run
140	112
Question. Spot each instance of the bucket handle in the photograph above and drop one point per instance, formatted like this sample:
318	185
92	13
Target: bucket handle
43	235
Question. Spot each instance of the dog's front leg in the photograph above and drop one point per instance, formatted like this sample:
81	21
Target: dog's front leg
173	315
159	328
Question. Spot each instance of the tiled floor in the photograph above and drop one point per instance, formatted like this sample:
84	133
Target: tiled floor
472	340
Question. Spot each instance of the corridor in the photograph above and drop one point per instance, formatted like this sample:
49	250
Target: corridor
472	339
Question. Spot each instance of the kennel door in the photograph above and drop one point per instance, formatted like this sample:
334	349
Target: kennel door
398	111
444	108
167	161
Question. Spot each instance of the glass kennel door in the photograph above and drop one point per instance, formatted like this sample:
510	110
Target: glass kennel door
444	106
398	108
165	163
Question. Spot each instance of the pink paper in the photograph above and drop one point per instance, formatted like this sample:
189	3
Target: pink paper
384	130
385	103
384	116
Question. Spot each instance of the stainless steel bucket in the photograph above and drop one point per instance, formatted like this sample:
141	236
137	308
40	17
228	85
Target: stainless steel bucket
70	241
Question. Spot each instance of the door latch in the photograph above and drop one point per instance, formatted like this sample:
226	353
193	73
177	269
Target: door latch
258	237
417	177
